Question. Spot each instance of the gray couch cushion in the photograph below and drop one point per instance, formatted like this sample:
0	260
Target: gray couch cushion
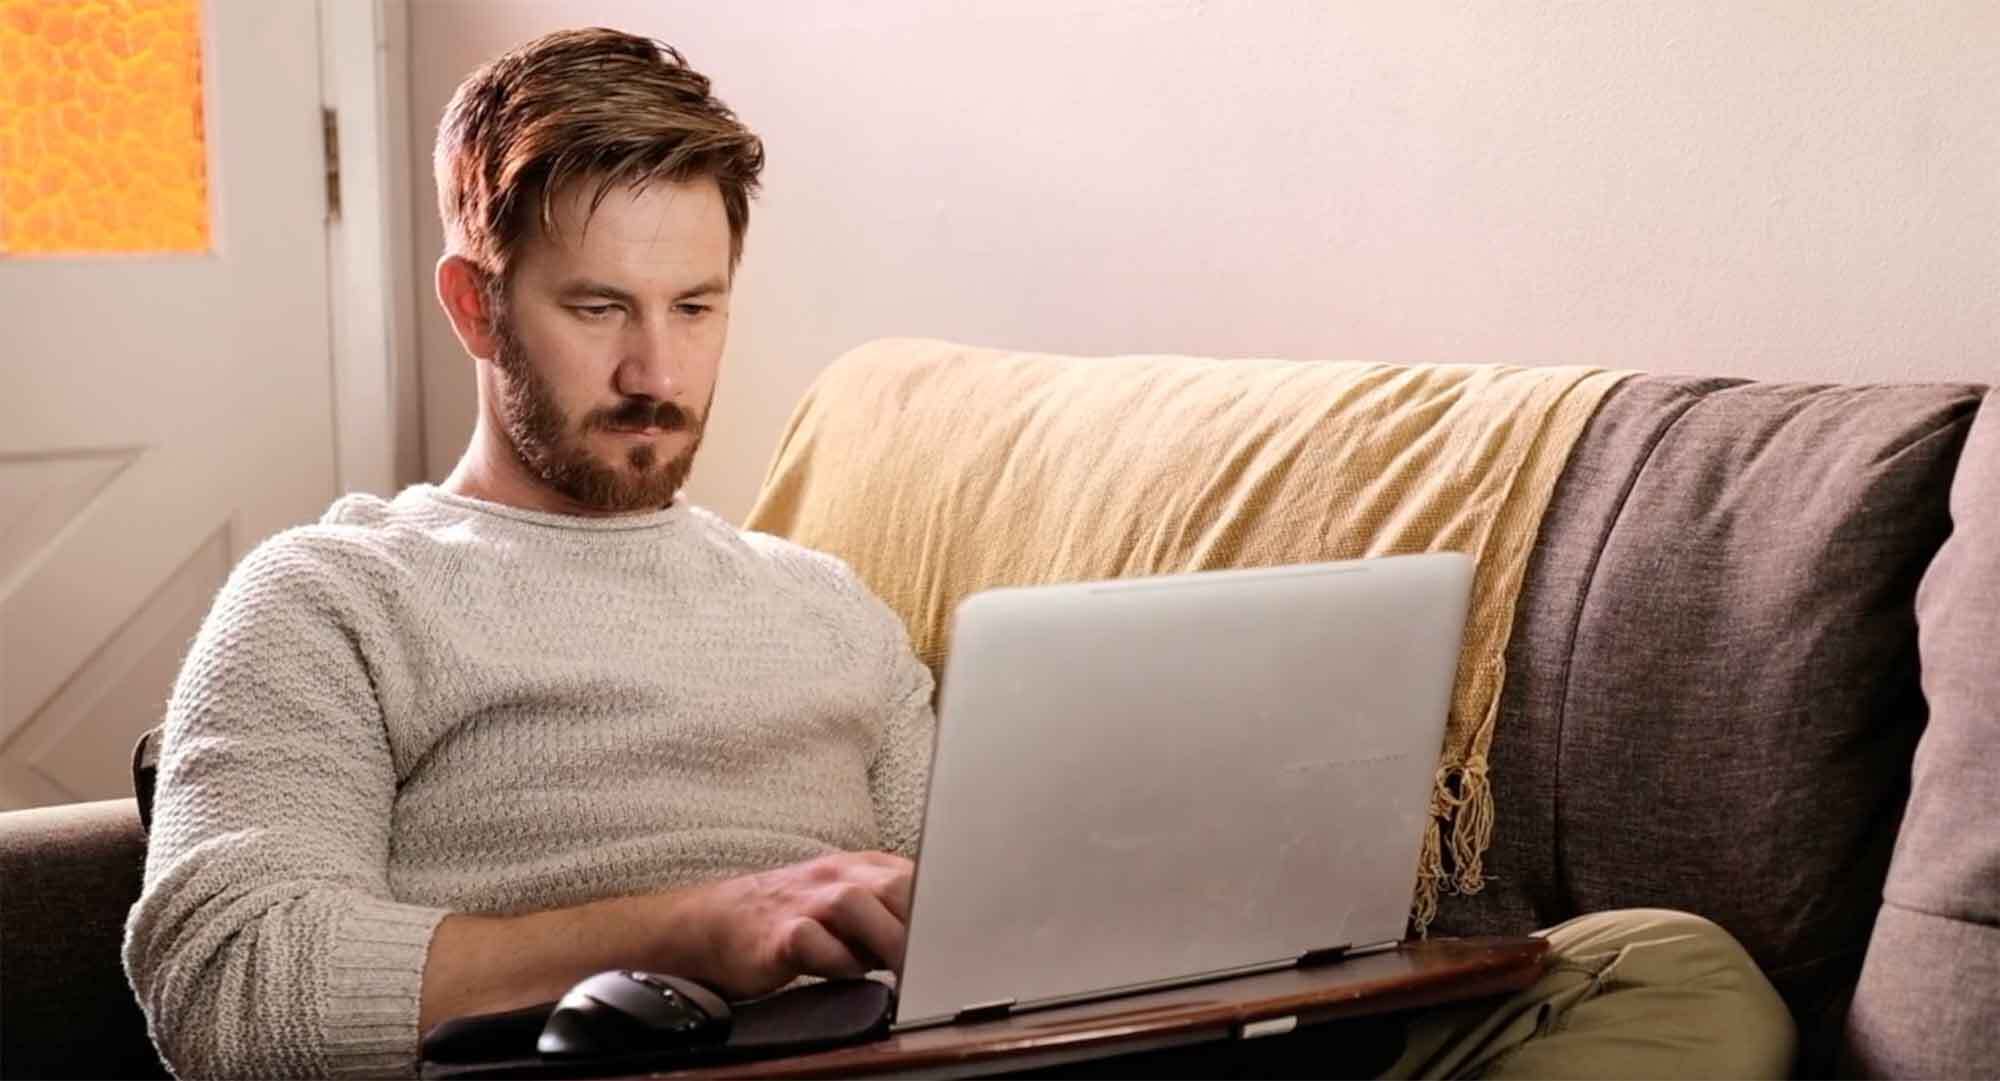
1929	1000
1712	695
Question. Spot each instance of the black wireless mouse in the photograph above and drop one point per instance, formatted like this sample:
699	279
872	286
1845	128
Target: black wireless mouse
624	1012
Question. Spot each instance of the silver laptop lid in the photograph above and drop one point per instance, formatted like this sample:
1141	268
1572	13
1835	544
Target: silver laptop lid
1153	780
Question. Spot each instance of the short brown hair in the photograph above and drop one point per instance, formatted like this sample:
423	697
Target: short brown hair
593	104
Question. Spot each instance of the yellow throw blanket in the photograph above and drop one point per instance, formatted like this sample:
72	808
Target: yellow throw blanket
938	470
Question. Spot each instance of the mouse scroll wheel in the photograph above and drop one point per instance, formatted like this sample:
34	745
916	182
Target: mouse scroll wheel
666	990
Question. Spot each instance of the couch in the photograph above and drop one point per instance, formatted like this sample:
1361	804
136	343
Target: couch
1754	673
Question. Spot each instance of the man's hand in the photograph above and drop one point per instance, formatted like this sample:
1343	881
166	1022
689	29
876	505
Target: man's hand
839	915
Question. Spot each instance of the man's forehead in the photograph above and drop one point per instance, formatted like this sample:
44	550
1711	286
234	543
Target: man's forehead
662	226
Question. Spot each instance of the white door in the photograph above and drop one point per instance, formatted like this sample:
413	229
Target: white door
160	415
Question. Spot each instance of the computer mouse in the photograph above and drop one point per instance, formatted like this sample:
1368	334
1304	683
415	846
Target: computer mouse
624	1012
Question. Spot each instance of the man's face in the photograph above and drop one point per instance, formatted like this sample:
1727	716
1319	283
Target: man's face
608	342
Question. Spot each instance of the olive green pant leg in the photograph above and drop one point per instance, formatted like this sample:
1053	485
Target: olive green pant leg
1633	993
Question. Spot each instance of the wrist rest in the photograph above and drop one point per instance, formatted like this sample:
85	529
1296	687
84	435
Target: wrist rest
810	1018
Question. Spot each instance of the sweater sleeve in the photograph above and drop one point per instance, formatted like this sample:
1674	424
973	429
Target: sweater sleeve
899	771
265	941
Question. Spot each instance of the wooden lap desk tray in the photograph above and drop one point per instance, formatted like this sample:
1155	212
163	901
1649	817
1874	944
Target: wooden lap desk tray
1414	975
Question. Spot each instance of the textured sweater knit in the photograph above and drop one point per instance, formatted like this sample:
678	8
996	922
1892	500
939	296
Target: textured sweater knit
439	705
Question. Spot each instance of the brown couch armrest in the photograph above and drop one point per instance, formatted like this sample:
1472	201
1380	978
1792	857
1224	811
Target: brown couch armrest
70	874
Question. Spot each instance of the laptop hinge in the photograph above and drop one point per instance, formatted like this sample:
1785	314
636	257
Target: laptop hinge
1324	956
984	1011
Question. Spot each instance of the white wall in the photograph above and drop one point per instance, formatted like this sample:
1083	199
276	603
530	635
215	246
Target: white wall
1800	190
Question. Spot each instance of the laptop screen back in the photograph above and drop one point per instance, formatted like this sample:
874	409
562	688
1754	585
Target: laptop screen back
1154	780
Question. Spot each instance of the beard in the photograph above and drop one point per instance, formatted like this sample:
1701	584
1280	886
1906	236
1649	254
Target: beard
554	450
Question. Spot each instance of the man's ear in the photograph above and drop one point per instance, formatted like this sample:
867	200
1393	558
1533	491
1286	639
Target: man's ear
461	290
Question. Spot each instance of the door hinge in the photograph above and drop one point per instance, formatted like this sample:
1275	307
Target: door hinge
329	126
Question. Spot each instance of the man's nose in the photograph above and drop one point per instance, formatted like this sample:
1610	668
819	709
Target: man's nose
649	364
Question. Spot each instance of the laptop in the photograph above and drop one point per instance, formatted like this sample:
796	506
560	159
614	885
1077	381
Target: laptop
1145	783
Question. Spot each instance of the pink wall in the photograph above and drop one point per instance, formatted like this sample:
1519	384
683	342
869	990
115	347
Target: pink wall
1786	190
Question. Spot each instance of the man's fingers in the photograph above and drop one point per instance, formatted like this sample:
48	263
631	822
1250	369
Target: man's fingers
864	923
894	891
884	859
851	914
888	876
809	949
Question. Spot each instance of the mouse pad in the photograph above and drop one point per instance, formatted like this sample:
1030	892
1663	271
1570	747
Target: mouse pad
810	1018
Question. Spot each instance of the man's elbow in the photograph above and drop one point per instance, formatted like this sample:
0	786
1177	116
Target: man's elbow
201	997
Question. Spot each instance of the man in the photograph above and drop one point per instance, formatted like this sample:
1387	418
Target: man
452	753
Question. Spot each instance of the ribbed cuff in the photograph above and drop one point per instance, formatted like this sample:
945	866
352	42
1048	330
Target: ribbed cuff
375	988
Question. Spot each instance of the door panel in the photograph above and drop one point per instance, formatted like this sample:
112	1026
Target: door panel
160	416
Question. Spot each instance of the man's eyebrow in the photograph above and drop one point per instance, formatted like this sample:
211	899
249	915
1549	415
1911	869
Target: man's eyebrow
586	287
709	287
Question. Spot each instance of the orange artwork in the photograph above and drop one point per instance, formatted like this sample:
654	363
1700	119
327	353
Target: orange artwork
101	147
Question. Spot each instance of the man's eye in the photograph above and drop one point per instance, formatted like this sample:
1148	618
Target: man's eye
594	311
692	309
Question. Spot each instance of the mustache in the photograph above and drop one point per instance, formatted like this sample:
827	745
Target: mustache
642	413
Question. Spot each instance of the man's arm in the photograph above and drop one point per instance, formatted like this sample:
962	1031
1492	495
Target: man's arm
266	941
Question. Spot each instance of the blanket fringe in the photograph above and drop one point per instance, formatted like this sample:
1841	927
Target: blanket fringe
1461	817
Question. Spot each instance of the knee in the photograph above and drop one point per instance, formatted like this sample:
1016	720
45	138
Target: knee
1680	962
1695	936
1682	935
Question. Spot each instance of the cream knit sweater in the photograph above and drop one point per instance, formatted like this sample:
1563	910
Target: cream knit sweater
439	705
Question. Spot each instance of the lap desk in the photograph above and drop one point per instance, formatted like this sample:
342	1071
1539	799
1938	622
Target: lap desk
1412	976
